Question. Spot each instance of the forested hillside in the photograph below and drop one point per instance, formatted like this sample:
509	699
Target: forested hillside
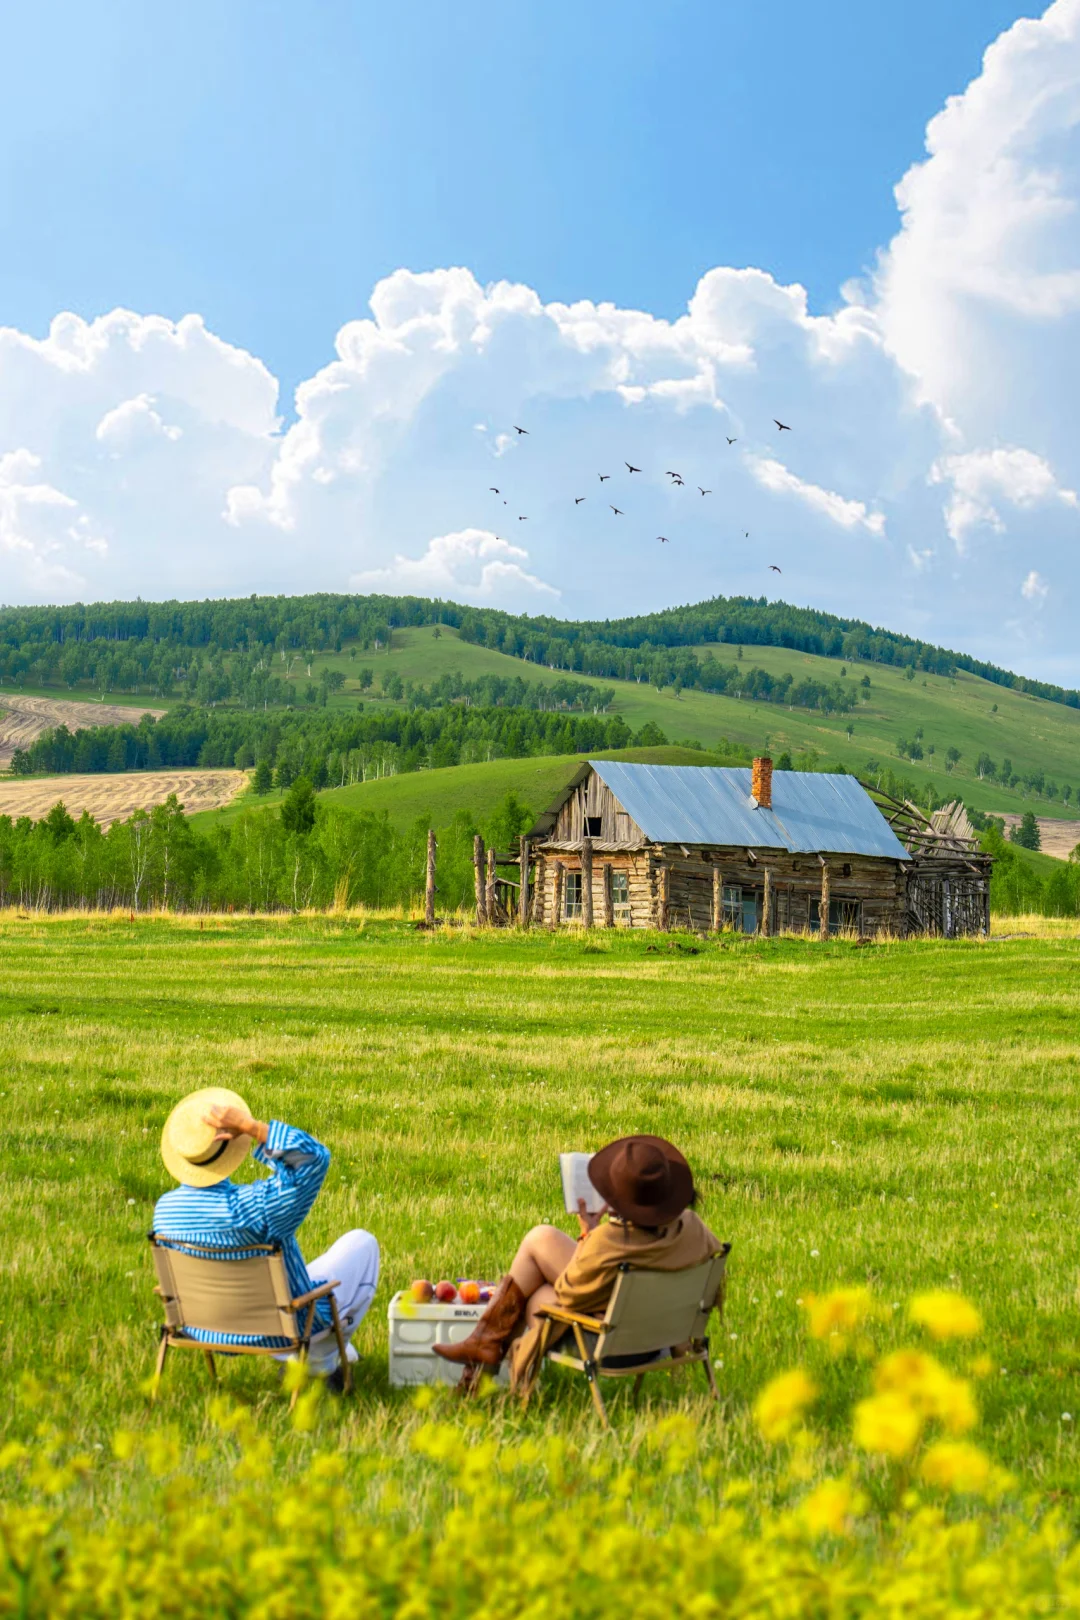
240	648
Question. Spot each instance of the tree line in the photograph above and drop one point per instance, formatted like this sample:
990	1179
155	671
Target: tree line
333	746
121	642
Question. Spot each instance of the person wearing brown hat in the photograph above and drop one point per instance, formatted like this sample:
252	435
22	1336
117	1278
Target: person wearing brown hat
207	1136
648	1222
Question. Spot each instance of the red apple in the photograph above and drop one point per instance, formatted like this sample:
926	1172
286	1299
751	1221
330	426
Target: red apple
469	1293
421	1291
445	1293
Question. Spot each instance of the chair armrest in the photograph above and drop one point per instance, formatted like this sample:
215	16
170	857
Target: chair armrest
316	1293
556	1313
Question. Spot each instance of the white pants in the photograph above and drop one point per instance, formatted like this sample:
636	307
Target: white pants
354	1261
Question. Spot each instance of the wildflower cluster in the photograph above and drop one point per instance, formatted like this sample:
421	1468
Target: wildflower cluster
544	1524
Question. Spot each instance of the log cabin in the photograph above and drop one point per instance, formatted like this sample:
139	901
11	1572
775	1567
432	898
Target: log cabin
705	847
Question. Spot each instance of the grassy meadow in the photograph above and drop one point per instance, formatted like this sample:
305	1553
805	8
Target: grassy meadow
901	1116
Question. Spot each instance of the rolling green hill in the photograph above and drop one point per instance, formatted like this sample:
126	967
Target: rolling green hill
437	796
961	711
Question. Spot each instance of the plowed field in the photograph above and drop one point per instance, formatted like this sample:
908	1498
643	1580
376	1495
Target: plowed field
24	718
112	798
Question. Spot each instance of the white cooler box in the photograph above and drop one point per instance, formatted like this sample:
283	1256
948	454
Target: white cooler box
415	1328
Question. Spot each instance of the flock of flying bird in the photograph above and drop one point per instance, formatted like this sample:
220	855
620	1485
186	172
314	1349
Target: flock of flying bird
677	482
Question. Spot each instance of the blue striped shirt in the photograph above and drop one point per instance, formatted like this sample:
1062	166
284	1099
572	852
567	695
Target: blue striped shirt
229	1216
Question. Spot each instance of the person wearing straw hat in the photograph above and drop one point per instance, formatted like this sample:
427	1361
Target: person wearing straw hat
206	1138
648	1221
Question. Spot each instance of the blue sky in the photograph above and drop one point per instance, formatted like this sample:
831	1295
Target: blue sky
276	281
265	164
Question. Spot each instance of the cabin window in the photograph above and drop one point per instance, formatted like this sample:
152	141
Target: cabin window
620	896
593	825
845	916
573	895
740	909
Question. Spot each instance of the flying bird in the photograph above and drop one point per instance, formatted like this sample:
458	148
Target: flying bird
617	513
493	490
663	539
628	467
524	519
578	499
525	430
735	440
602	476
670	474
679	481
775	569
782	426
705	491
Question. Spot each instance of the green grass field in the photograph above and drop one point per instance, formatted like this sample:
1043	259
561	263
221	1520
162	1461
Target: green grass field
956	713
901	1116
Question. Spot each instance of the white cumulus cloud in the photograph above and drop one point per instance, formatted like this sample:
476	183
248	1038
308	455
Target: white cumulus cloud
474	563
933	405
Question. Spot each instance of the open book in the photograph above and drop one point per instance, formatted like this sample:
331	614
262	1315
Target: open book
574	1169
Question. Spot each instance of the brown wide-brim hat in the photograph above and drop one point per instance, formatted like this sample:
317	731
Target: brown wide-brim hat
188	1145
645	1179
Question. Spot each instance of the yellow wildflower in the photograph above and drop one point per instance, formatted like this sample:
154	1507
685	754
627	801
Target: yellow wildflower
840	1311
956	1465
929	1387
780	1405
830	1507
945	1315
888	1424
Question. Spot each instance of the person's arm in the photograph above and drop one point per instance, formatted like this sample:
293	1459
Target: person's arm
298	1161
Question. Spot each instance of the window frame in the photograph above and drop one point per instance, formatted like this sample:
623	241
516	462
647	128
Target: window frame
573	910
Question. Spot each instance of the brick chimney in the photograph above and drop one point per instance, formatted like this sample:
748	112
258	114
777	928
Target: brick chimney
761	783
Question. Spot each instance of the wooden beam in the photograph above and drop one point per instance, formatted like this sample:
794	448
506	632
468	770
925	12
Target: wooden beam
429	885
717	899
489	894
608	896
663	896
767	903
557	899
586	882
523	889
478	881
823	903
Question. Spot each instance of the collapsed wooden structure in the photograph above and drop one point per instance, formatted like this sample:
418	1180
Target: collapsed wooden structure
704	848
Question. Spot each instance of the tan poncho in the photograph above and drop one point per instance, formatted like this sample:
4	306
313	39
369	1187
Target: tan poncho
588	1280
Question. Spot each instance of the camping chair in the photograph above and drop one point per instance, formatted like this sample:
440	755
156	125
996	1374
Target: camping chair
654	1319
209	1289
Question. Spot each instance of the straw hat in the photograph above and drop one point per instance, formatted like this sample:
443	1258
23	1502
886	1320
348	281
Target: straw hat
188	1144
643	1178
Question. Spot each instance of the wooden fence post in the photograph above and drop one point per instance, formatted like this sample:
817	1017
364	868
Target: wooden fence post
767	904
489	897
717	899
523	891
586	882
557	887
478	881
823	904
608	895
429	887
663	898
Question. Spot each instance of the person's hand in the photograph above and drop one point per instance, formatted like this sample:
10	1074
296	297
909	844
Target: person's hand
229	1122
588	1223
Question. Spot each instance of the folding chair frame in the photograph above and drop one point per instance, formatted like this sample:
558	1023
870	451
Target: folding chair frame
174	1335
590	1362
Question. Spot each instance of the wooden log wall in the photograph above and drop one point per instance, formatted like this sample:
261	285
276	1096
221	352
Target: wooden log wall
592	810
691	886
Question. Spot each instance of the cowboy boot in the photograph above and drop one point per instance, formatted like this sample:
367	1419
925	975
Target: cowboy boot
488	1341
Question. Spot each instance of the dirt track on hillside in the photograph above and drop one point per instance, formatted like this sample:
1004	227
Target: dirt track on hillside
1059	838
22	719
113	797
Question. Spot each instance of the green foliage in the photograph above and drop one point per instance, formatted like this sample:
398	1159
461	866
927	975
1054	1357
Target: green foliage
298	807
263	779
1027	833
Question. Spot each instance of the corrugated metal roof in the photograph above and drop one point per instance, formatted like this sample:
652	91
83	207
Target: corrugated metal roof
710	804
